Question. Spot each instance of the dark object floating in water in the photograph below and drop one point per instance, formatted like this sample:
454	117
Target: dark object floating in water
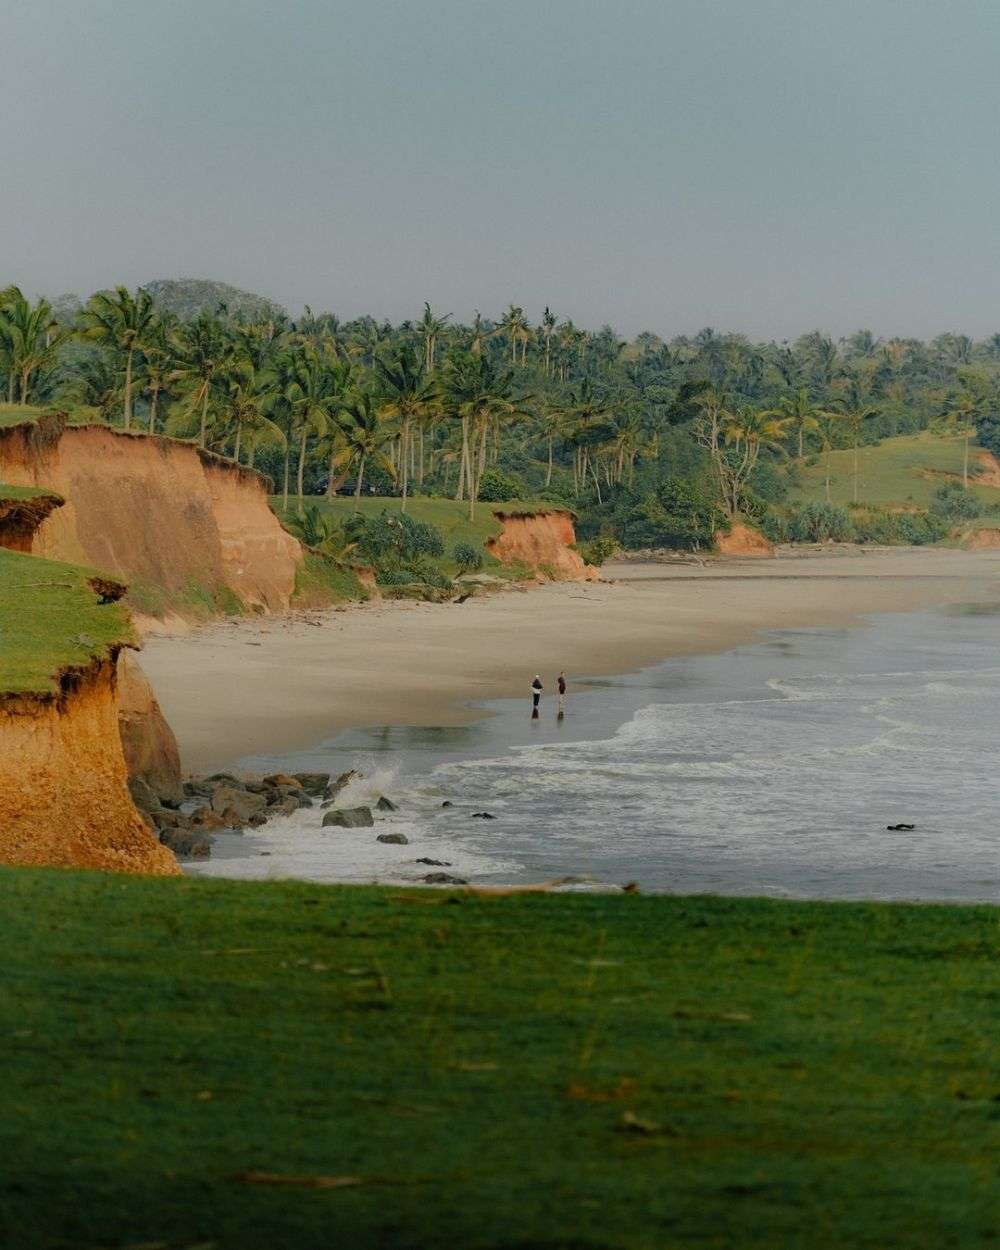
482	816
447	803
897	828
386	805
434	863
444	878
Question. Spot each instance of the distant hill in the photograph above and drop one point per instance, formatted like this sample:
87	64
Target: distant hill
187	297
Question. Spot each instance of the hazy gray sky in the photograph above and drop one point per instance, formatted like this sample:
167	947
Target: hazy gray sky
769	166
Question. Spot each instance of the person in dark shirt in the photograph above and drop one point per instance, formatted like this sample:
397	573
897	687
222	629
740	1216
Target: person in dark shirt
562	693
536	694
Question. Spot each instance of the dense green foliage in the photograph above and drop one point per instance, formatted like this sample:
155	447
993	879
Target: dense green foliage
52	619
651	442
593	1072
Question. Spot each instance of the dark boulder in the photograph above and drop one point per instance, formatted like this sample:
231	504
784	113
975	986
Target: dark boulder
333	788
444	878
282	781
313	783
228	800
482	816
142	795
349	818
394	839
386	805
187	843
434	863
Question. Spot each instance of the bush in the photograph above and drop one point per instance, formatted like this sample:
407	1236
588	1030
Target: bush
498	487
468	558
953	502
683	513
820	522
393	538
597	550
774	526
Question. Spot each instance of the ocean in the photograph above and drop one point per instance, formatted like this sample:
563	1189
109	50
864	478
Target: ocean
772	769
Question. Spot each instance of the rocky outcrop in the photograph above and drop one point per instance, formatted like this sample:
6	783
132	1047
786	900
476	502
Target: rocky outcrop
987	469
156	512
64	800
148	742
743	540
544	542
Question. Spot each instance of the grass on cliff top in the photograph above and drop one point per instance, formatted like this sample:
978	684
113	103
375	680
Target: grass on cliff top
397	1068
448	516
51	619
19	494
903	470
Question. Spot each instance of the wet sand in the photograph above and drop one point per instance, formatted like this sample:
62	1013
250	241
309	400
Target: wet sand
282	684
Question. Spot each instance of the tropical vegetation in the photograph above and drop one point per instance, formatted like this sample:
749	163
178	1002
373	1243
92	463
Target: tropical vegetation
651	442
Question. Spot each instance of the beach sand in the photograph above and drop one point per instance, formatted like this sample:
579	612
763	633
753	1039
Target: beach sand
279	684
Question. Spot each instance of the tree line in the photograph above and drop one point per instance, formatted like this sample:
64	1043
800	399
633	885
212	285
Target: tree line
508	405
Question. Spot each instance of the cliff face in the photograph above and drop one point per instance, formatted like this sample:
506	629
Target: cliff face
542	540
742	540
154	511
64	801
148	742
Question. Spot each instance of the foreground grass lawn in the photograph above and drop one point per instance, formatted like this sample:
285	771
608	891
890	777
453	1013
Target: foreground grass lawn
525	1072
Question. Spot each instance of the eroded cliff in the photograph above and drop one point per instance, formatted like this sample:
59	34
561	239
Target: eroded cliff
64	798
187	529
543	540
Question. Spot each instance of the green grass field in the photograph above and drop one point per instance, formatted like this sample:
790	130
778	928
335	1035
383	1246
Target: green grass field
229	1065
905	470
450	517
51	619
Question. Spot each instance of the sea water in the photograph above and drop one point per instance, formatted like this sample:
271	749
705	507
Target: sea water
774	768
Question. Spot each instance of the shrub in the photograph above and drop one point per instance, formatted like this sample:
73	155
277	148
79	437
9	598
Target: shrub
395	538
683	513
597	550
468	558
498	487
953	502
774	526
818	522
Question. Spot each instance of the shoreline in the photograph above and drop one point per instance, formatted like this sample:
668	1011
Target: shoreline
280	684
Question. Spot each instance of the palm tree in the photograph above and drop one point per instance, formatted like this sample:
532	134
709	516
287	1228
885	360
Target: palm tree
828	422
855	410
201	348
428	328
515	327
316	394
480	396
409	395
363	434
248	395
747	431
548	329
800	413
961	416
123	322
94	383
29	339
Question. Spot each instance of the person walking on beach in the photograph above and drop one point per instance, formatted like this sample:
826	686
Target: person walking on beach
536	694
562	694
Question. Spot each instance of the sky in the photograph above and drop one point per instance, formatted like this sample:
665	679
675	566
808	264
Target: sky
763	166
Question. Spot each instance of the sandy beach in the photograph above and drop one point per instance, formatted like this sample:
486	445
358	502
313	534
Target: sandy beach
279	684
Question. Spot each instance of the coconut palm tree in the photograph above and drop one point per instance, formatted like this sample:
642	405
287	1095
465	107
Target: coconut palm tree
201	349
317	392
363	435
747	432
515	327
94	383
548	328
29	339
856	410
246	400
429	327
480	396
123	322
799	413
408	398
962	413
